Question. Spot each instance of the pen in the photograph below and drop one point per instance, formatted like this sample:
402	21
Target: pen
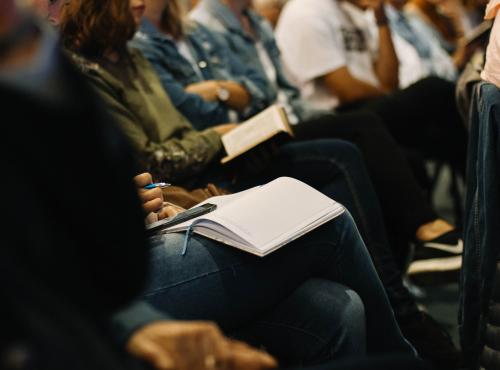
161	185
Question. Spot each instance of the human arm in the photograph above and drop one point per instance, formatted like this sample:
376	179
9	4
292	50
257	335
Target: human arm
229	66
238	98
329	66
197	345
348	88
202	113
185	154
387	62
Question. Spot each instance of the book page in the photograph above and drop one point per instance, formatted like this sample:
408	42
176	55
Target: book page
276	210
256	130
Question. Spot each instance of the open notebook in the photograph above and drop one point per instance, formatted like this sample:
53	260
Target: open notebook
254	131
263	219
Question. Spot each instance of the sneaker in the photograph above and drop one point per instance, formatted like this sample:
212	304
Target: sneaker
432	342
442	254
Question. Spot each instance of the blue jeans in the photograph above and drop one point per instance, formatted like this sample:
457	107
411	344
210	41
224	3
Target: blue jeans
315	299
482	224
336	168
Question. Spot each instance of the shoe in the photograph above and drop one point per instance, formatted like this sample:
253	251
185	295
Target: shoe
432	342
442	254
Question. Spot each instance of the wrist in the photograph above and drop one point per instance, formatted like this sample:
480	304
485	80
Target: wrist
222	93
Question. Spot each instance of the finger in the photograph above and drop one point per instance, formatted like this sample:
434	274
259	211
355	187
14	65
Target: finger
153	205
155	355
242	356
143	179
147	195
167	211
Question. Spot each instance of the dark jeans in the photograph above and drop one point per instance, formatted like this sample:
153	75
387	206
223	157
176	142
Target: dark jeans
402	201
423	117
482	223
336	168
387	362
310	301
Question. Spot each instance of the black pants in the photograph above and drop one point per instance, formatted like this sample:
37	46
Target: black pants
423	117
403	203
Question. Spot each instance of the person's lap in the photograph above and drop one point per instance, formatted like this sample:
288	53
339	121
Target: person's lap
336	168
219	283
423	117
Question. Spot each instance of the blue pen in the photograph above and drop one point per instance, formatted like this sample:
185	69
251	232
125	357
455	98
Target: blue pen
161	185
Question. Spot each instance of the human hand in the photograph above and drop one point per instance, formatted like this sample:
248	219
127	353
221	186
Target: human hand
169	210
206	89
171	345
152	199
225	128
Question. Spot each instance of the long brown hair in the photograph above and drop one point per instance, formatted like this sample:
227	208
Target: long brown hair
92	27
172	19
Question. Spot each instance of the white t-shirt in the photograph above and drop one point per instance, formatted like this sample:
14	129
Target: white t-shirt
320	36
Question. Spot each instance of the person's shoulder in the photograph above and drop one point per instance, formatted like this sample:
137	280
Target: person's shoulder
301	13
137	57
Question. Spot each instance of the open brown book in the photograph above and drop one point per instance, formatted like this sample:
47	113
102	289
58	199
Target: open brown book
255	131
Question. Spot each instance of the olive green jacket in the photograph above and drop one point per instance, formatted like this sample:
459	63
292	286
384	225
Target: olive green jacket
168	145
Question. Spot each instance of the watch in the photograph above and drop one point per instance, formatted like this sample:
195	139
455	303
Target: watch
223	94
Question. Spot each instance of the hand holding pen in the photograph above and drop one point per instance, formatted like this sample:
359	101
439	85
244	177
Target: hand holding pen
150	193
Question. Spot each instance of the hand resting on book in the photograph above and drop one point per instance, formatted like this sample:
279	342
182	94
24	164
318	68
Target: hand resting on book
225	128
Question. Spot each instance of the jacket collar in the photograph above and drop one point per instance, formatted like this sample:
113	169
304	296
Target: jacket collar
150	30
225	15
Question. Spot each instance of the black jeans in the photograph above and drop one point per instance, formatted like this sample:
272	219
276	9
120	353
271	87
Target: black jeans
423	117
403	203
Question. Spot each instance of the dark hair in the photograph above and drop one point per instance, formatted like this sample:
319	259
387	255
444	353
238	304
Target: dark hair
171	20
92	27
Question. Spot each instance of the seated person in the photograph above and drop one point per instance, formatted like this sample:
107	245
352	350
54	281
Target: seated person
421	54
155	135
80	238
217	88
395	184
356	71
350	185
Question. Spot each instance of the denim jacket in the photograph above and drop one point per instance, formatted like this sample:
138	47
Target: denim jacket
219	18
215	63
482	223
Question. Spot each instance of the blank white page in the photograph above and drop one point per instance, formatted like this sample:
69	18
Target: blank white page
273	210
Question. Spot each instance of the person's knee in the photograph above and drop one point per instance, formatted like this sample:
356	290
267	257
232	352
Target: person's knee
341	152
341	315
436	86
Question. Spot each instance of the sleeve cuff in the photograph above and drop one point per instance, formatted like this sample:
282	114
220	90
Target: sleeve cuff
136	315
214	139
